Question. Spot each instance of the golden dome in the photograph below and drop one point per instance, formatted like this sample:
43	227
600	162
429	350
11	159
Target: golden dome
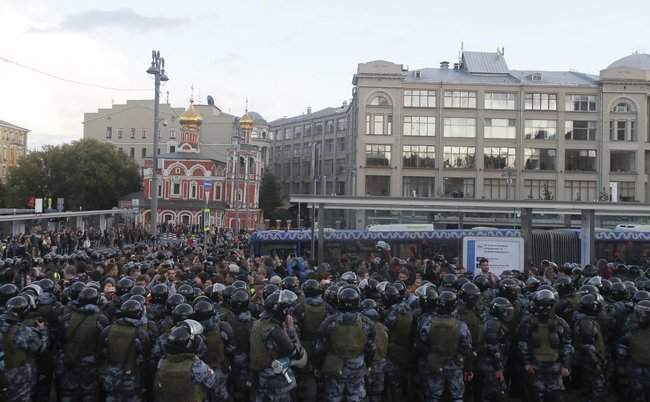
246	121
190	117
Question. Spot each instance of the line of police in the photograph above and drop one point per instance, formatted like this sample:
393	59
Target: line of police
459	339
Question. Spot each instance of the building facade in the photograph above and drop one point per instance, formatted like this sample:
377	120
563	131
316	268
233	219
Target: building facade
129	127
13	146
320	141
192	180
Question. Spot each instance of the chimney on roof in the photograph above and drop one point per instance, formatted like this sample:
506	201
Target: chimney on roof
309	110
444	65
456	66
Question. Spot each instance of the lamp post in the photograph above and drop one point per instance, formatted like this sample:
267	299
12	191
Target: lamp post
157	69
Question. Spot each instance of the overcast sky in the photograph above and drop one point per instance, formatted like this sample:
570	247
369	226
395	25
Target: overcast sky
282	55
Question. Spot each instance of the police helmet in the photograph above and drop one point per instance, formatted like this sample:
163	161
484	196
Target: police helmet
642	311
370	309
88	296
7	291
240	301
640	295
203	310
370	289
159	293
278	304
447	302
187	291
509	289
532	284
590	304
216	293
350	277
482	282
469	293
501	308
618	292
47	285
428	298
131	309
182	312
564	286
75	289
239	284
382	246
311	288
173	301
291	283
138	290
179	340
392	295
269	289
448	280
227	294
348	299
543	303
401	288
123	286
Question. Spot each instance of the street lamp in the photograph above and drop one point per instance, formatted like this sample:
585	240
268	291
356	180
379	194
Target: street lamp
157	69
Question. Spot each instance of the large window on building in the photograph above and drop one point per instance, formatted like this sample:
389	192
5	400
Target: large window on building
499	157
540	101
627	191
499	189
419	187
377	155
176	189
459	157
540	130
379	124
379	100
109	132
378	185
500	128
580	190
461	127
457	187
499	101
419	156
539	189
622	161
340	144
580	160
419	98
622	130
341	124
539	158
307	130
423	126
580	103
580	130
460	99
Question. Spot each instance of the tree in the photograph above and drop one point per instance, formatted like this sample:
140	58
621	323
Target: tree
88	174
269	196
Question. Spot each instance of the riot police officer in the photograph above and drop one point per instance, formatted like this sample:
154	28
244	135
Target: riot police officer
634	353
590	351
398	318
376	376
241	322
493	354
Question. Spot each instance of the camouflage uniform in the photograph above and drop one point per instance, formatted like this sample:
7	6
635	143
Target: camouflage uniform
309	316
493	357
546	347
633	361
398	318
377	375
78	362
346	347
441	357
590	356
219	343
172	385
126	348
240	378
20	345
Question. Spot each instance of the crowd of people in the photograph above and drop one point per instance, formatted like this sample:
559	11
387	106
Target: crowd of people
177	322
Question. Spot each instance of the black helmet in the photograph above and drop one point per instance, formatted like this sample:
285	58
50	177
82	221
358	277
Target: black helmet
47	285
369	288
159	293
543	304
482	282
369	303
428	297
123	286
640	296
618	292
564	286
269	289
182	312
509	289
239	301
203	310
469	293
139	298
350	277
447	302
597	282
590	304
311	288
584	289
130	309
187	291
590	271
278	304
606	287
348	299
392	295
179	340
239	284
291	283
642	311
138	291
227	294
173	301
448	280
460	282
501	308
215	292
88	296
7	291
75	289
17	307
532	284
331	294
370	309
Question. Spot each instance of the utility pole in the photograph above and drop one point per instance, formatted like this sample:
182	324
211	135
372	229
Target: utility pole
157	69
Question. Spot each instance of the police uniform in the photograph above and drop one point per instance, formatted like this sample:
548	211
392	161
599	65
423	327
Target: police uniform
493	358
310	314
590	356
346	347
377	376
398	318
471	315
240	380
633	360
184	377
218	337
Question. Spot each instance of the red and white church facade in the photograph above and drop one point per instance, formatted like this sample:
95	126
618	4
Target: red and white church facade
190	180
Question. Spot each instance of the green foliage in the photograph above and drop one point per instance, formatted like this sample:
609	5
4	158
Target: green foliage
89	174
270	196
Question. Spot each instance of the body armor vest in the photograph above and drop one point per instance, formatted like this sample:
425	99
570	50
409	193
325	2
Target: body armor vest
81	337
314	316
216	354
348	340
242	332
545	343
174	380
120	346
399	339
14	356
260	358
381	340
640	346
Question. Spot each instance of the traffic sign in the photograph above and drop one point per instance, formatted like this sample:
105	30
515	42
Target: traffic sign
207	184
